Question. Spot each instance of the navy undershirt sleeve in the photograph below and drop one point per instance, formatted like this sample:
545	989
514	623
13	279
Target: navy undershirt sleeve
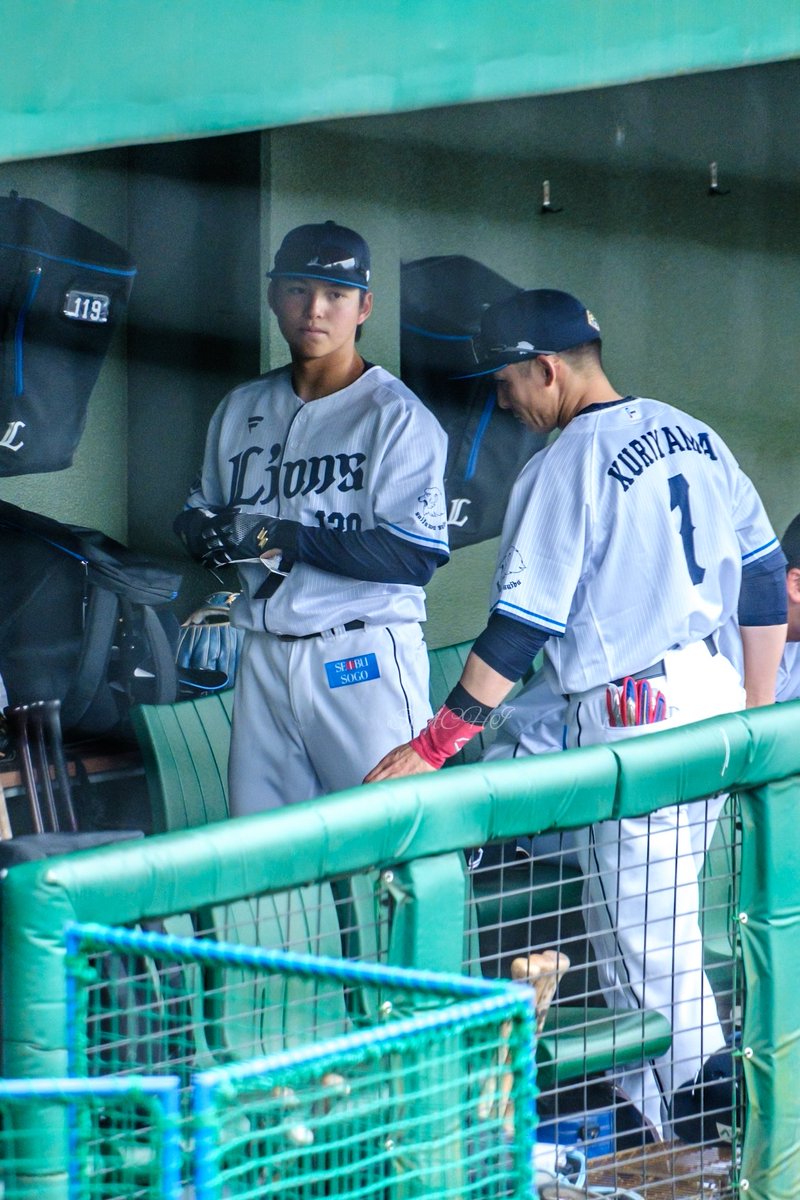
762	594
374	555
508	646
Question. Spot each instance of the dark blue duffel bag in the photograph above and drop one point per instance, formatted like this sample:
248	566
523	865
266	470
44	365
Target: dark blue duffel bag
63	290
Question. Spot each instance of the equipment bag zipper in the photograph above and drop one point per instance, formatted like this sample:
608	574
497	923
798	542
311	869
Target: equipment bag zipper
19	332
483	425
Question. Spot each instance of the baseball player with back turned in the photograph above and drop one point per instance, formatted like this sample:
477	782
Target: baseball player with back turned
628	542
323	481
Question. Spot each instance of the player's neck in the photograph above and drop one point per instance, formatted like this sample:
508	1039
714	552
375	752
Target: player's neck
596	391
313	378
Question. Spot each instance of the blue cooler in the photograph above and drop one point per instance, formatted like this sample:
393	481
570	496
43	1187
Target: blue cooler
591	1132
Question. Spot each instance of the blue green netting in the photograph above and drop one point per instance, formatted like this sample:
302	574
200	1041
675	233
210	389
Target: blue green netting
426	1089
117	1139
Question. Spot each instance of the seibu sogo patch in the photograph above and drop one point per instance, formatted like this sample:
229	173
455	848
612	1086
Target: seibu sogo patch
346	671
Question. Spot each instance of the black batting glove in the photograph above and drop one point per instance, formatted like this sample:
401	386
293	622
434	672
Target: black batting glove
190	524
232	535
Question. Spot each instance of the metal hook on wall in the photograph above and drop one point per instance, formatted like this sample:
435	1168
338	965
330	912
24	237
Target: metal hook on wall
713	188
547	207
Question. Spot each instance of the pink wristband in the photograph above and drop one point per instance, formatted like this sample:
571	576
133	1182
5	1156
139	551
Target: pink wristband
445	734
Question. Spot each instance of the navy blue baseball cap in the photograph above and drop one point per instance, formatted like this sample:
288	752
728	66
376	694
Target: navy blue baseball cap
540	321
324	251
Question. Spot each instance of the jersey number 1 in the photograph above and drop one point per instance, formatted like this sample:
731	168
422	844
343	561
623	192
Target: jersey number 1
679	498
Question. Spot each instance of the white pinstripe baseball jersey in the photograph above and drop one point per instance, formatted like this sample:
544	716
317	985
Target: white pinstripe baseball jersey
366	457
626	537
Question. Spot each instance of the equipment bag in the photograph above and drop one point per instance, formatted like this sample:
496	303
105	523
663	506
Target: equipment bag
441	302
85	620
63	289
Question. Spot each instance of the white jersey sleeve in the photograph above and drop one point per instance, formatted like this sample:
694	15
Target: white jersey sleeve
625	538
407	471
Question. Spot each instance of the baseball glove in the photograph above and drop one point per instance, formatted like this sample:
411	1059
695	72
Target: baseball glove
208	641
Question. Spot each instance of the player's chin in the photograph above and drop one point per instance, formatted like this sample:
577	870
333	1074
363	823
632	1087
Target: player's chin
310	345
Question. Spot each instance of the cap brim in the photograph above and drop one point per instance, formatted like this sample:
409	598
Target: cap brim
485	371
499	364
363	287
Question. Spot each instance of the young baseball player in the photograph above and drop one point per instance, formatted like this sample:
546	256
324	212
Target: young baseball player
323	481
628	542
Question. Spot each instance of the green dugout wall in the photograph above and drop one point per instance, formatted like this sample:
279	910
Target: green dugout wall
81	75
419	828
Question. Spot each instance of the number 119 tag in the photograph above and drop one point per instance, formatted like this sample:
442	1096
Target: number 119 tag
86	306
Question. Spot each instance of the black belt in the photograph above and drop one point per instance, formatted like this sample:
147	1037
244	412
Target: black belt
301	637
658	669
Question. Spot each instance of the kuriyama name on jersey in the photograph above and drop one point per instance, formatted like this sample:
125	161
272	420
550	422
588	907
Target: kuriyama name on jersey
654	444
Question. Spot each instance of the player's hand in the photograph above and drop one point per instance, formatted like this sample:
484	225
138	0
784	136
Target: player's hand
190	526
398	762
232	535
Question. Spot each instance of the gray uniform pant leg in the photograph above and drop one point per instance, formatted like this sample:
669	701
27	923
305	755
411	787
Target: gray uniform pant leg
313	716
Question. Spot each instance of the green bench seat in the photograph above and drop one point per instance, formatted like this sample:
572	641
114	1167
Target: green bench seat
512	895
579	1041
184	750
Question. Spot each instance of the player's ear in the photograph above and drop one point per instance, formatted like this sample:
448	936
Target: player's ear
793	585
271	294
546	363
365	307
